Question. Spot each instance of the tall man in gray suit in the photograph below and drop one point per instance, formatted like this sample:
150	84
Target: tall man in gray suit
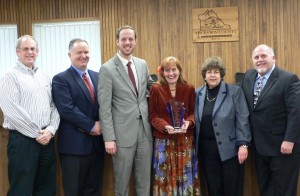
122	85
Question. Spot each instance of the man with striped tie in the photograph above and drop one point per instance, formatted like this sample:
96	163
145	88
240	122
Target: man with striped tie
80	142
273	98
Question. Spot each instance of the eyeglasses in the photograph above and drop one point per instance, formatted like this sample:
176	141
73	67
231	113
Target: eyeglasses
33	49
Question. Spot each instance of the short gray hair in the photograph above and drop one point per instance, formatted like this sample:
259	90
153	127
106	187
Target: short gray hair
76	40
20	40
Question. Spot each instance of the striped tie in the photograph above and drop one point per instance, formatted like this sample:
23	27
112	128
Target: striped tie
258	89
131	76
89	87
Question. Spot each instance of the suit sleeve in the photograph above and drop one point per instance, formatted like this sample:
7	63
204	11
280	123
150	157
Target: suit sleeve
292	102
155	111
150	81
105	90
67	109
243	133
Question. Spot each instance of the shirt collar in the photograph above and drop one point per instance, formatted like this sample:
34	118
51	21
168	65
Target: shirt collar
267	75
25	68
123	60
79	71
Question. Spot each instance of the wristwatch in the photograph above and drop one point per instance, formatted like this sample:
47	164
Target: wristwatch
244	146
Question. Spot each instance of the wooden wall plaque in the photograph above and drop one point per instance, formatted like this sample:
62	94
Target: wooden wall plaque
215	24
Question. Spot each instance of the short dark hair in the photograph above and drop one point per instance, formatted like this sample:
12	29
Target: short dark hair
214	62
75	40
122	28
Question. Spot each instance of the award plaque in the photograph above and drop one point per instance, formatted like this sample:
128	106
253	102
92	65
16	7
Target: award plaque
176	111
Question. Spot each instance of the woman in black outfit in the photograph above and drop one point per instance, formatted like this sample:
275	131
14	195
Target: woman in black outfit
222	131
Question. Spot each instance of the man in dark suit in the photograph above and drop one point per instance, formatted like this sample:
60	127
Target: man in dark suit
124	114
80	142
274	103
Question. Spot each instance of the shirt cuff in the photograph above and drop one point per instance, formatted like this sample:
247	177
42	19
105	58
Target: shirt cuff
51	129
241	143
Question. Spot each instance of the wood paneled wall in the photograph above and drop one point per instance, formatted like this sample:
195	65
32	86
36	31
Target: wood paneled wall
164	27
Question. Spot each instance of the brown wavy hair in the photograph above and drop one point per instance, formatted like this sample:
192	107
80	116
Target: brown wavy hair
213	62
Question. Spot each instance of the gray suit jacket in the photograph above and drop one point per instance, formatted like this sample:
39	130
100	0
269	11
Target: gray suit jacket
120	107
230	119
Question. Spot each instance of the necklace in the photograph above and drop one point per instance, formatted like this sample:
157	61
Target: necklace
209	100
172	89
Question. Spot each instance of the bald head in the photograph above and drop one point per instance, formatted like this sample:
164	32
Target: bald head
263	59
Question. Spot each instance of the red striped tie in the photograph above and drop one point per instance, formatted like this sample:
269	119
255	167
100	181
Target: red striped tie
131	76
89	86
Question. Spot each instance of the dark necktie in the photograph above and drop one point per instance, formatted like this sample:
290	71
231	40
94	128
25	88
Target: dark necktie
258	89
131	76
89	86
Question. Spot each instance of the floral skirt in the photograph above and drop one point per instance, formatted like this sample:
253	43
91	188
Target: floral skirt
175	166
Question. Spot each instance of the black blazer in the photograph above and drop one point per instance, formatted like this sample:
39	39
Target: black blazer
77	111
276	117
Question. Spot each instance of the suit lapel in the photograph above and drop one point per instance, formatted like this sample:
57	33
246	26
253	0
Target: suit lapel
252	77
138	72
220	98
121	69
81	84
94	80
201	101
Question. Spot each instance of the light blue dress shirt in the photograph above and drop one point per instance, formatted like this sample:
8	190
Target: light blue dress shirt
264	79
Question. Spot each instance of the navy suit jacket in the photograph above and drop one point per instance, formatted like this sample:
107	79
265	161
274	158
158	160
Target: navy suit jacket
276	116
77	111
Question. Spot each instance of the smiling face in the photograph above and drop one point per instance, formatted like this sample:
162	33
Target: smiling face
79	55
171	74
263	59
212	77
27	52
126	43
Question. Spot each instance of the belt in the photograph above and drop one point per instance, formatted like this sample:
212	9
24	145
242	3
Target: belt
16	131
13	131
139	117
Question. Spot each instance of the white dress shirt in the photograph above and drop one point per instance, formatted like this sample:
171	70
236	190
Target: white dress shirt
26	101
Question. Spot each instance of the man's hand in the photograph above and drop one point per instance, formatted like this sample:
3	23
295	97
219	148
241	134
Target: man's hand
111	147
45	137
97	129
287	147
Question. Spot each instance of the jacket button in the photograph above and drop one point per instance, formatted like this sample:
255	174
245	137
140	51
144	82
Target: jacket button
219	143
215	124
217	133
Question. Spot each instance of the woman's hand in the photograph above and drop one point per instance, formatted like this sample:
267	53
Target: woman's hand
243	153
170	130
185	126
